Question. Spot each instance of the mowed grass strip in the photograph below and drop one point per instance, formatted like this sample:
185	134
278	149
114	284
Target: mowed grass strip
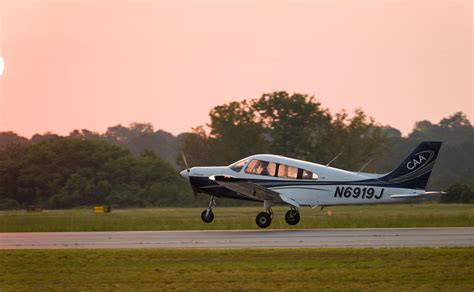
416	215
263	269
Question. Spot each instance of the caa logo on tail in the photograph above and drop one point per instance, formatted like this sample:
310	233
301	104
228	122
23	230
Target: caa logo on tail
422	158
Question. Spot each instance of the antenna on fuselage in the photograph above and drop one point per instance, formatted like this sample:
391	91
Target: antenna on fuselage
365	165
332	160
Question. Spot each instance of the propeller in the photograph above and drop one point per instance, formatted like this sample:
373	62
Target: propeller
183	156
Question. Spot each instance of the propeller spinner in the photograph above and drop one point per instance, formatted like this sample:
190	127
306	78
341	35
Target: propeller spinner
185	173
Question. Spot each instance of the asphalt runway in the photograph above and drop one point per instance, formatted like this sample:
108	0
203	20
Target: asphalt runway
365	237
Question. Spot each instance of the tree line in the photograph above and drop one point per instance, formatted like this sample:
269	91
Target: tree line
137	166
67	172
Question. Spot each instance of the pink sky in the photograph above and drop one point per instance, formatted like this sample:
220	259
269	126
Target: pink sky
93	64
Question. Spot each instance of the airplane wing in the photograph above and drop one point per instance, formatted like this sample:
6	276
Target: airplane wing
252	190
420	195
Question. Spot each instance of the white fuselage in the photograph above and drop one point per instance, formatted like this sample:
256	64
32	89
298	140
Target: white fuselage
332	187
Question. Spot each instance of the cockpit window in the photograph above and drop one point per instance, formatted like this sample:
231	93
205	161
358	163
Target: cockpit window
237	166
309	175
271	168
287	171
260	167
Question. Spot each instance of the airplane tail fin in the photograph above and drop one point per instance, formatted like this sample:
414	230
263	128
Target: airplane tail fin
415	170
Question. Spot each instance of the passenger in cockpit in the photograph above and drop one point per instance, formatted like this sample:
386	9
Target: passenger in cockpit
264	167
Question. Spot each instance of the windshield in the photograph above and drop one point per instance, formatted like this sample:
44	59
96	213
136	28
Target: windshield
237	166
261	167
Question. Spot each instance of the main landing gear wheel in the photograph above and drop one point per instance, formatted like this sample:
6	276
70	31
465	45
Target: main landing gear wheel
292	217
207	216
263	220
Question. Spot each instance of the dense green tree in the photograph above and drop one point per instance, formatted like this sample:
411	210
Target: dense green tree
37	138
359	139
292	125
458	193
195	148
65	172
297	125
235	133
141	137
458	120
11	137
84	134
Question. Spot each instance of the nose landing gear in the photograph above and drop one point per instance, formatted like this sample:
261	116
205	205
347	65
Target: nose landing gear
207	215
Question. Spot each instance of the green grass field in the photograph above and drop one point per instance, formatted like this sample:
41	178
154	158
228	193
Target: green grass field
400	269
417	215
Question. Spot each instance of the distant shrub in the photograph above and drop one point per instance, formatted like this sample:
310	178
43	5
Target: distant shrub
8	204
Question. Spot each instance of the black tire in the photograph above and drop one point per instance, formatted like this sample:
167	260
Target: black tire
207	218
263	220
292	217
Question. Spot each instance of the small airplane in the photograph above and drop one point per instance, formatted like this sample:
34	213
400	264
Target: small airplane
274	179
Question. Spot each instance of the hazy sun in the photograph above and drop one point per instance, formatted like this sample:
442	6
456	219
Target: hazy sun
2	66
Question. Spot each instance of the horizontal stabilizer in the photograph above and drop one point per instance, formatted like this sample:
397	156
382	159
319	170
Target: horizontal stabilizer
419	195
434	193
406	196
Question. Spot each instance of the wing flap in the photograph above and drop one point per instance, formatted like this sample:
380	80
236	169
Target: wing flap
247	188
290	201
